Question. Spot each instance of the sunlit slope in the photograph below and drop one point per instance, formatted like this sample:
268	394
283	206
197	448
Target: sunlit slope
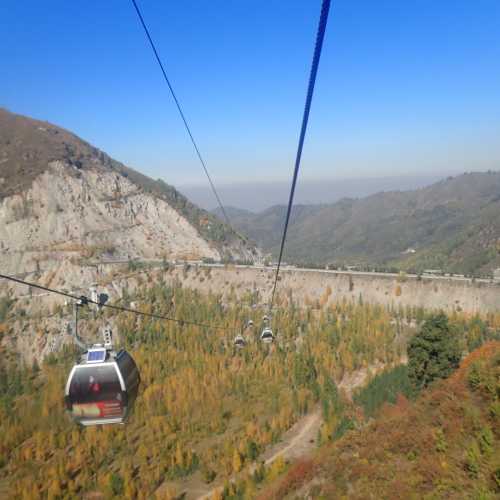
446	445
31	149
452	224
204	411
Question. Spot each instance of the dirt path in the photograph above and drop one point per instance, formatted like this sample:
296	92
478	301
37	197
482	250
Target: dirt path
298	441
358	378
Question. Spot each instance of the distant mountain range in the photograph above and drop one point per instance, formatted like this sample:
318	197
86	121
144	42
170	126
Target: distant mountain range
257	195
452	225
57	191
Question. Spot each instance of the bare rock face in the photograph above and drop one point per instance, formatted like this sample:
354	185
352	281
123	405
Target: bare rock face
90	215
71	216
65	205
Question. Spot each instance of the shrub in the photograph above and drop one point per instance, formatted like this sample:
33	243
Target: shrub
474	376
295	477
208	475
346	424
433	353
496	478
5	305
486	440
116	483
384	388
440	441
472	463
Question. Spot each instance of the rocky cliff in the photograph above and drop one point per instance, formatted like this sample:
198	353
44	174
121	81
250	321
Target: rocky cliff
64	203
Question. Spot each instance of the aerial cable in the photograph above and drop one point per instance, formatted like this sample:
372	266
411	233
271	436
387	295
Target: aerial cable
325	8
186	125
85	300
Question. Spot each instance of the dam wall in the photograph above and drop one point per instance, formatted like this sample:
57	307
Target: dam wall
308	286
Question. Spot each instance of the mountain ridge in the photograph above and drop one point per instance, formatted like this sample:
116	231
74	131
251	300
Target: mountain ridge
451	224
26	154
64	202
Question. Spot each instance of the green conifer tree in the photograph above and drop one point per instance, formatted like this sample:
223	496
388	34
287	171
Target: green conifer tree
433	353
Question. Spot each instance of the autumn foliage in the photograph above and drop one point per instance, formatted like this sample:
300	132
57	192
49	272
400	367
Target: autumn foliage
203	406
445	445
210	410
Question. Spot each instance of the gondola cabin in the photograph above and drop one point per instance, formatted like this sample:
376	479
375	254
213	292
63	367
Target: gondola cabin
267	336
102	387
239	342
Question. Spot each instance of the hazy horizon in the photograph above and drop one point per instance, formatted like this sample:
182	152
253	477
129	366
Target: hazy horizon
258	196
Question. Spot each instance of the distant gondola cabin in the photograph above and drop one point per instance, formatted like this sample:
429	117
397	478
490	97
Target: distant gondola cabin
267	335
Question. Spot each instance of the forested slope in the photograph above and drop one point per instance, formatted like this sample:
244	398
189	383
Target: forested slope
445	445
452	225
205	411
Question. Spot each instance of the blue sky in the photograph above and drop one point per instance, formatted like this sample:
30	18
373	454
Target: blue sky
404	87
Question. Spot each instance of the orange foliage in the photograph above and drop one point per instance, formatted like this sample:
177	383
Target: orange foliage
487	350
413	450
298	475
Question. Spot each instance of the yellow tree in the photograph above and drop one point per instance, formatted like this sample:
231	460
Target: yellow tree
237	462
54	491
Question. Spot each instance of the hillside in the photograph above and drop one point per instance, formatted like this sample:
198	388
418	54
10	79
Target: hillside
443	446
207	412
452	225
64	201
203	413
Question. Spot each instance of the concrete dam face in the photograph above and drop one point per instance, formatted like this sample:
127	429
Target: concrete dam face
431	293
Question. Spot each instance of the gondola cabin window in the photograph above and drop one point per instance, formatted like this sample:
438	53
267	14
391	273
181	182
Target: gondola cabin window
95	391
128	369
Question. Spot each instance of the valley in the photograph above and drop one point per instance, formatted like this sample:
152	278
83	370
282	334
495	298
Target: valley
250	251
207	423
207	411
308	289
212	420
